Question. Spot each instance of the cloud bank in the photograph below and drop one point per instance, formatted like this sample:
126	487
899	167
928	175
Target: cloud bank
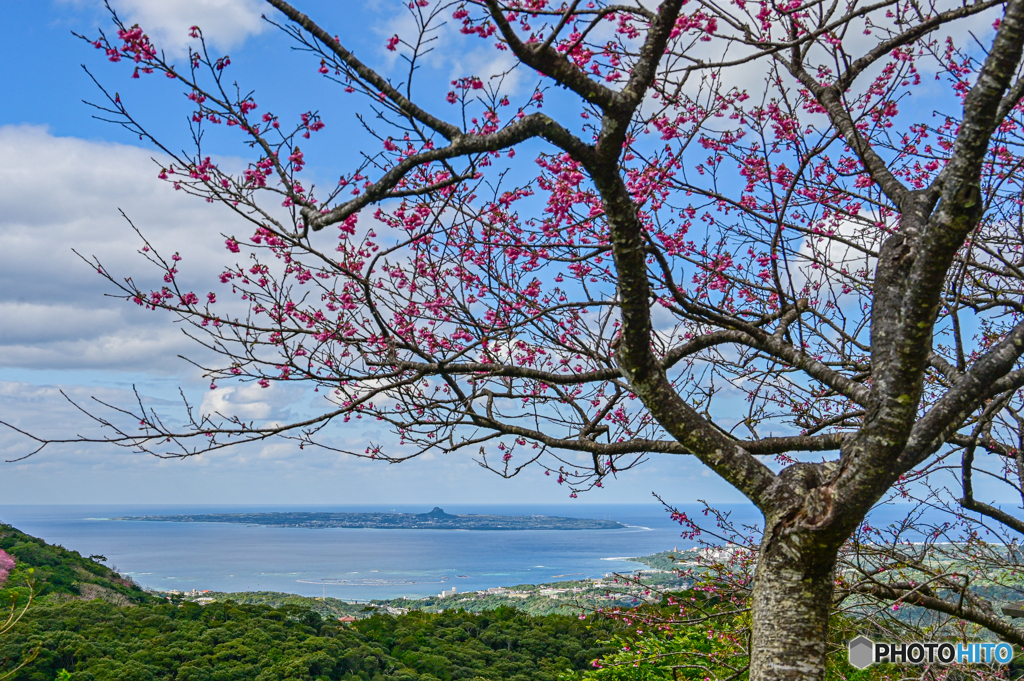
61	195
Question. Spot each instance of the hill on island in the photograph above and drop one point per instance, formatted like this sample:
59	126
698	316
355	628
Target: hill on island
436	512
435	519
56	574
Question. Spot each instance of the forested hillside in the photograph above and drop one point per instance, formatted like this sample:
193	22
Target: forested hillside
56	574
88	620
87	623
99	641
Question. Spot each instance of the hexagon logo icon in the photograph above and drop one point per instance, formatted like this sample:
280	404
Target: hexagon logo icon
862	652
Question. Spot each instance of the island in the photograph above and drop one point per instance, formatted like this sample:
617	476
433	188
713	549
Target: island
436	519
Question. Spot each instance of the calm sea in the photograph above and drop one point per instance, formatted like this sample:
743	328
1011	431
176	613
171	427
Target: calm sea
357	564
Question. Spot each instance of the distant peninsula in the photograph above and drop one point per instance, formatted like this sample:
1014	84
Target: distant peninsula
436	519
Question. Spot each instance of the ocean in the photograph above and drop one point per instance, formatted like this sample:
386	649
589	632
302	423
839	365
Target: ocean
356	564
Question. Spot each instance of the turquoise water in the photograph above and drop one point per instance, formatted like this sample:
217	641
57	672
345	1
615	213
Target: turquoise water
357	564
347	563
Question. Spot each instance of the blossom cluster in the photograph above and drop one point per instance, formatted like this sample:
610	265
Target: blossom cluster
7	563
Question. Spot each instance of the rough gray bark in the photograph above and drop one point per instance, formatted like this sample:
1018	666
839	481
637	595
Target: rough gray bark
792	602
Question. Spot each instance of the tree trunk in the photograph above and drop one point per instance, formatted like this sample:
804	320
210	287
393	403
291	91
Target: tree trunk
793	587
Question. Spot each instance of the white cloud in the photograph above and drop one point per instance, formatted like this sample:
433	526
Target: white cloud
225	23
47	411
451	52
492	67
831	265
248	401
260	473
59	194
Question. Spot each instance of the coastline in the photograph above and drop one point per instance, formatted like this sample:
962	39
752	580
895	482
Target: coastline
234	558
535	599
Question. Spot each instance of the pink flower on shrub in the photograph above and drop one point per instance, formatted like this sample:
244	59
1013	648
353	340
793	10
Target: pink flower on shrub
6	565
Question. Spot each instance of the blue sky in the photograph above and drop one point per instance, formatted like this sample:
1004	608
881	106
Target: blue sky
66	175
64	179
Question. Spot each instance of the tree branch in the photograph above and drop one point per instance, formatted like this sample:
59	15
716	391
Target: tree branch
436	124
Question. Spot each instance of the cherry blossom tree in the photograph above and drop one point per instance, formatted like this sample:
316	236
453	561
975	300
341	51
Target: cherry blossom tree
935	572
21	601
783	238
